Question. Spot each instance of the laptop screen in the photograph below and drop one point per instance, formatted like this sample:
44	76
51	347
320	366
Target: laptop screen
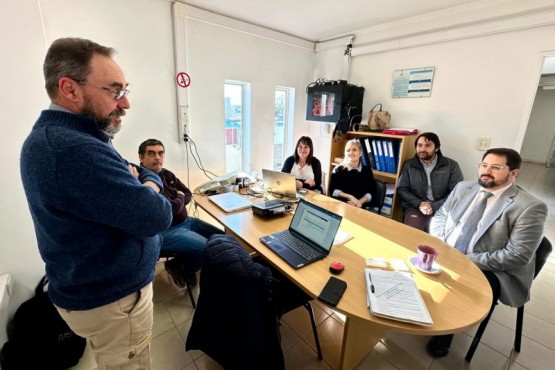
279	183
315	223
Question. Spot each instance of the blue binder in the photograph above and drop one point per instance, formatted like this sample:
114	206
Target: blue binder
392	163
364	153
376	156
367	146
381	155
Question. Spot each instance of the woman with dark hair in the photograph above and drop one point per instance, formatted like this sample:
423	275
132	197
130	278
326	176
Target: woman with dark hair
306	168
351	181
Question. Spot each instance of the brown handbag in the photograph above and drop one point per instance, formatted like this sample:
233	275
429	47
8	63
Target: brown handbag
378	120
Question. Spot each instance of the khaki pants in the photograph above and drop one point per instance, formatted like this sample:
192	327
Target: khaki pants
119	333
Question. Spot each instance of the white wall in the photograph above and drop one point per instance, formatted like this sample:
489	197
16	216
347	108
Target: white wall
540	132
21	98
215	54
483	87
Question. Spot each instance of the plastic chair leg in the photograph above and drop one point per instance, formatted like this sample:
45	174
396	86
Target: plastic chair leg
478	336
190	291
308	306
518	331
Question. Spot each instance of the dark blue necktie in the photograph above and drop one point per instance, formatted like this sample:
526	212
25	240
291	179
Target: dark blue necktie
472	221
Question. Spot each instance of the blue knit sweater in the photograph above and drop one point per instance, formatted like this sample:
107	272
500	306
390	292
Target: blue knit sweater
97	226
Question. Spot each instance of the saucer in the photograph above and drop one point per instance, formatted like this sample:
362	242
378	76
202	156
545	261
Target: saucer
436	269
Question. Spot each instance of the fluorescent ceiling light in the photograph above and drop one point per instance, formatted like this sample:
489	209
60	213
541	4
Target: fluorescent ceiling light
552	87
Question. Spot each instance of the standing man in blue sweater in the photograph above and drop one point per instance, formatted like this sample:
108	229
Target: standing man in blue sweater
97	218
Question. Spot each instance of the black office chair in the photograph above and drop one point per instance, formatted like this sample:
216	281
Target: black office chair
167	255
291	297
379	198
542	254
236	322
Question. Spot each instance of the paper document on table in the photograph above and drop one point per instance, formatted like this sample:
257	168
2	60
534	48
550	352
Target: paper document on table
394	295
342	237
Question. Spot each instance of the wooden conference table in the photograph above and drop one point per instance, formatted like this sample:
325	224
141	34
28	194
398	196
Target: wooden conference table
457	298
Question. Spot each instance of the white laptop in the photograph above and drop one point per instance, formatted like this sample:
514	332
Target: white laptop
230	202
279	183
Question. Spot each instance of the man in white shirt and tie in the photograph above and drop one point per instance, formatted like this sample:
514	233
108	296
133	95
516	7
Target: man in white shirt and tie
502	239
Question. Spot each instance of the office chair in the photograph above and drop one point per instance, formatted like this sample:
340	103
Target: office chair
167	255
236	321
324	188
542	254
379	198
291	297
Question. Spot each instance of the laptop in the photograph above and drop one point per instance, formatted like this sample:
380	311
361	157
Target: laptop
309	237
279	183
230	202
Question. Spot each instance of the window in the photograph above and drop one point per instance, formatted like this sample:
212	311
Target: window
283	121
237	126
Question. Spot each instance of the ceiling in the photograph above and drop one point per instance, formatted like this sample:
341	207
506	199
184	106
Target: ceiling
319	20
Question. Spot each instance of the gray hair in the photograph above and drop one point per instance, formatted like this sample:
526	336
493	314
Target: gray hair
70	57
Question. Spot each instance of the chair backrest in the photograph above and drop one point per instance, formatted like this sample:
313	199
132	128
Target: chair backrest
379	199
542	254
324	188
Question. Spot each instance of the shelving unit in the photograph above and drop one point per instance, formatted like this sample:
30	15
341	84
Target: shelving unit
406	151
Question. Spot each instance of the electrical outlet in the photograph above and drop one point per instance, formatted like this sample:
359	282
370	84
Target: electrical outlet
184	118
325	129
483	143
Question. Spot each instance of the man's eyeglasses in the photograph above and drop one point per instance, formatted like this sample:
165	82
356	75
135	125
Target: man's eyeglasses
492	167
118	94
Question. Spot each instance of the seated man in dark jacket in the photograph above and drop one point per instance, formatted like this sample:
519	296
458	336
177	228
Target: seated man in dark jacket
187	236
426	181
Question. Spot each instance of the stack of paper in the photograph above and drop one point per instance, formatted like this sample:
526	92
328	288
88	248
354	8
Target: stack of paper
394	295
342	237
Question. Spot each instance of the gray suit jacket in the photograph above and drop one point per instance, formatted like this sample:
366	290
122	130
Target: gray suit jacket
507	240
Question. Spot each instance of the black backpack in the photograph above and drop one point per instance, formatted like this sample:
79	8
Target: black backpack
38	338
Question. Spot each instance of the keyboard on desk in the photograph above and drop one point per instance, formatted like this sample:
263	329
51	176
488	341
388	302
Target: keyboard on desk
296	244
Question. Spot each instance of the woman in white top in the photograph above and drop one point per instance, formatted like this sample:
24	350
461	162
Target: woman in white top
306	168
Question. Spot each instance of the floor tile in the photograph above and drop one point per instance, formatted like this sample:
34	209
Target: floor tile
162	320
206	363
167	351
288	337
302	357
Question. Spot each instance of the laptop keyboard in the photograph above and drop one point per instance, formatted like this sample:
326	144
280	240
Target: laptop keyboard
299	246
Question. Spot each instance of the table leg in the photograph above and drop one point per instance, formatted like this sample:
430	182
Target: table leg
359	338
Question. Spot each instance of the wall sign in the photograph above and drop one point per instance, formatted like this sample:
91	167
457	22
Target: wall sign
183	79
412	83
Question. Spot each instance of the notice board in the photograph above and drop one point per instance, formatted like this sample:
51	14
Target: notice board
412	83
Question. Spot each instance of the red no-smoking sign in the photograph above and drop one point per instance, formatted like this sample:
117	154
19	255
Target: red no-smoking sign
183	79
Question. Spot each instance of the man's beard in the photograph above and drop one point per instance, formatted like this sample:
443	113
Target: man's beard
107	125
103	123
491	183
425	156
